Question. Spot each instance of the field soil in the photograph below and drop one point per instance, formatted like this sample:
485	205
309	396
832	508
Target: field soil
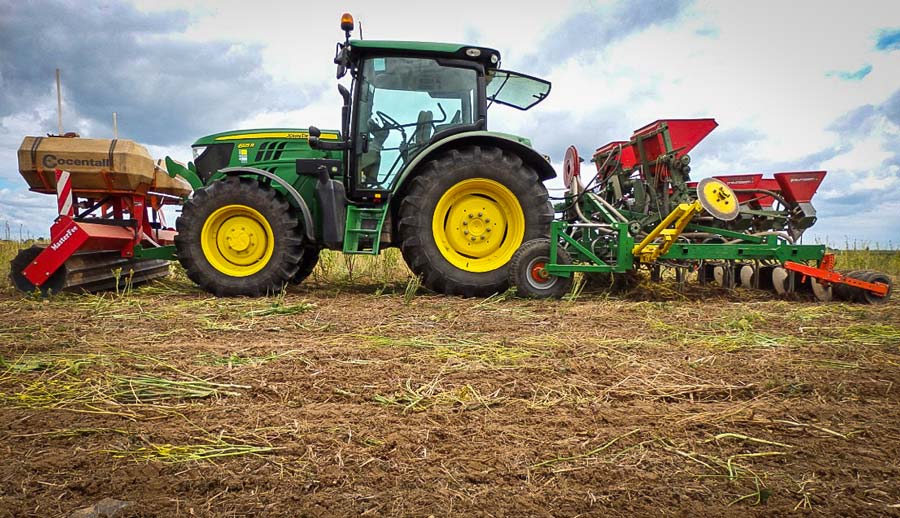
371	400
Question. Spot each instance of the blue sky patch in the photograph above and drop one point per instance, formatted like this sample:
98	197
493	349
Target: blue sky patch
888	39
851	76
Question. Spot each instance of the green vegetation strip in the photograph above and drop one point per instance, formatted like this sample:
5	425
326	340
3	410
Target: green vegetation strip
59	381
423	397
463	350
170	453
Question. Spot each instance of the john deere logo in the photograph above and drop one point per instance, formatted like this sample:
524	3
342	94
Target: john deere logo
51	161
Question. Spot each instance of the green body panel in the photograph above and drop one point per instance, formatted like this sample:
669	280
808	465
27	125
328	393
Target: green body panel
275	150
246	135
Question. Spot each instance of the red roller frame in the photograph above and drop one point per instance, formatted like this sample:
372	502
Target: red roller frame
826	274
128	227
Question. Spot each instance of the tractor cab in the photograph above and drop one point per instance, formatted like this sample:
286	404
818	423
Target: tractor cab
405	96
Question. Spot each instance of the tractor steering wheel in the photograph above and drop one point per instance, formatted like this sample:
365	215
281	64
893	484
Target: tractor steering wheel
388	122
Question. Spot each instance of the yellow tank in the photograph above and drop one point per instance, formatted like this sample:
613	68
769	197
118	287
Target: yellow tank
97	166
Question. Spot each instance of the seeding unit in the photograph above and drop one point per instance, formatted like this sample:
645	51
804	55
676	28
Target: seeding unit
640	209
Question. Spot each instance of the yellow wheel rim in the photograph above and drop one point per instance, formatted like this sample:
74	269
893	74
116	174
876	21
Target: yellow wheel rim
237	240
478	224
718	199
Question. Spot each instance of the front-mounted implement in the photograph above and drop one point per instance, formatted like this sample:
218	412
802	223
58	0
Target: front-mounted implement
111	229
640	209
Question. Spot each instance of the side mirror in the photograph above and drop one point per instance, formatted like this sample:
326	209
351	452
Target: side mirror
314	134
316	143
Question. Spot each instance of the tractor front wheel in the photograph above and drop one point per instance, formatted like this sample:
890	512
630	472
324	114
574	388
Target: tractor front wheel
307	264
466	214
239	237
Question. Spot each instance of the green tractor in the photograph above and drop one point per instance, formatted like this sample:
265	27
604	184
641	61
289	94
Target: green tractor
413	166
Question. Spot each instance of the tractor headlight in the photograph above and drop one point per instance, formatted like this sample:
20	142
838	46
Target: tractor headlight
198	151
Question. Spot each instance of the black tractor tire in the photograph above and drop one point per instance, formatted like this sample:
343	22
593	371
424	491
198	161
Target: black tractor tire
307	264
526	274
448	171
286	244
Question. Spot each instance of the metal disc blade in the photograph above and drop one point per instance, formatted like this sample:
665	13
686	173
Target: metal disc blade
718	199
719	275
747	273
821	292
780	280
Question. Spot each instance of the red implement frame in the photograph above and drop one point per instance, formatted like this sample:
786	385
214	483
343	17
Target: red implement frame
826	274
125	223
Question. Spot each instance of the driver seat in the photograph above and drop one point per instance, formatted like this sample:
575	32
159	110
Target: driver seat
424	128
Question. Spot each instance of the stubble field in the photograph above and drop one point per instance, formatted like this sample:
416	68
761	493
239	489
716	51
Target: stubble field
359	395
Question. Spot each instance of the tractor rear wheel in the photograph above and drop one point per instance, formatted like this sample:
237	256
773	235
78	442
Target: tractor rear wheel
239	237
466	214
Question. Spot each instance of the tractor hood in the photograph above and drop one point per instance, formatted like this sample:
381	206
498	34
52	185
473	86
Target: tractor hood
263	133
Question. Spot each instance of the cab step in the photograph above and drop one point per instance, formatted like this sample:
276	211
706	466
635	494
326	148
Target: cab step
362	235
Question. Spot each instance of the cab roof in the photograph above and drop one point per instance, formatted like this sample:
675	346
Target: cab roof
487	56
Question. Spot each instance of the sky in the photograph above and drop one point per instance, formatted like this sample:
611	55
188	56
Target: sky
794	86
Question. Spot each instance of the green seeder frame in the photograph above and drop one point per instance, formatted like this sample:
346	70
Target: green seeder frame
749	248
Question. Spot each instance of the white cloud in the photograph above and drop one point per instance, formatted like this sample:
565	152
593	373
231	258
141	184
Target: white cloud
867	154
760	68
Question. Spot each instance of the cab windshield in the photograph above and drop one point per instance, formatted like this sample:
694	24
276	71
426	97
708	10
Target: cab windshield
403	102
515	89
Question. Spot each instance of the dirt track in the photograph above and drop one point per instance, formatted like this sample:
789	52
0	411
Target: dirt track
356	403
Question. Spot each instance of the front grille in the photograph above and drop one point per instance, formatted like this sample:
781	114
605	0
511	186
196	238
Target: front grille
270	150
215	157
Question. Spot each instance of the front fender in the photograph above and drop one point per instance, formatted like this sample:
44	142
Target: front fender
503	141
295	198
